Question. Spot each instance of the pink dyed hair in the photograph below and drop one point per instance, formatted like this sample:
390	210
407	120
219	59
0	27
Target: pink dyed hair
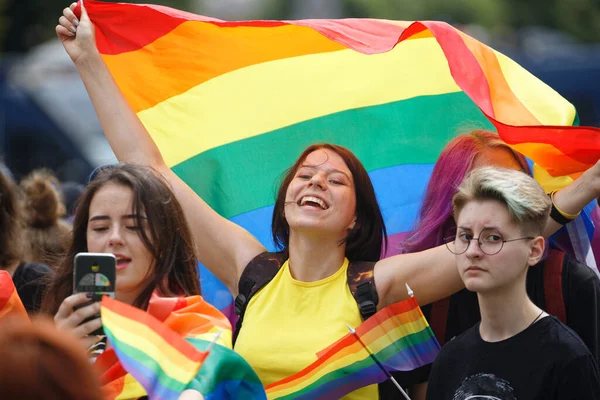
455	161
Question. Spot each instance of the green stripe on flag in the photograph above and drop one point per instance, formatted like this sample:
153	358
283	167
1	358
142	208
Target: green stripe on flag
242	176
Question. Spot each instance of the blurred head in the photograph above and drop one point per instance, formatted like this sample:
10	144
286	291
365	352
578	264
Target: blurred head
11	242
464	153
70	193
506	211
38	362
328	192
46	236
130	211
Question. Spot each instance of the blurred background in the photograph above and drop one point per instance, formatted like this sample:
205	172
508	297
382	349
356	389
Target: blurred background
46	118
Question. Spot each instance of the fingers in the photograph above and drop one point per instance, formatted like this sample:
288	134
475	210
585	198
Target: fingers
70	16
64	22
68	318
84	14
74	322
67	305
62	31
78	316
87	328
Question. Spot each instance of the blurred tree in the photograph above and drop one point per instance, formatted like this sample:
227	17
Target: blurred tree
25	23
579	18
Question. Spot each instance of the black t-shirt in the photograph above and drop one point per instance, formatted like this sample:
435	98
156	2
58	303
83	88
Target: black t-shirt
545	361
581	295
31	280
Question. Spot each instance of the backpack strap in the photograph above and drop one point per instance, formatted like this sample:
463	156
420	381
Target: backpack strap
362	286
260	271
439	318
553	291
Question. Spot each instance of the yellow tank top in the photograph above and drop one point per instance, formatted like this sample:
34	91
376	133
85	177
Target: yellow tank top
288	322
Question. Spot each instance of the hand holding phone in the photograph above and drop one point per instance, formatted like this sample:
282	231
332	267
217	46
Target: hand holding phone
95	273
72	313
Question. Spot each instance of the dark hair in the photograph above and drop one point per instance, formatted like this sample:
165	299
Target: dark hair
168	238
39	362
46	235
11	240
367	240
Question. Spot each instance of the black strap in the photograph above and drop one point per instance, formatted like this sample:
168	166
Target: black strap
362	286
260	271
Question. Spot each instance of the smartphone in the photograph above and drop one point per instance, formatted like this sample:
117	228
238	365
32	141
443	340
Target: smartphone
95	273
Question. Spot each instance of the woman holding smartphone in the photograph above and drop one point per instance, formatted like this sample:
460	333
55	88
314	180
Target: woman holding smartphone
128	211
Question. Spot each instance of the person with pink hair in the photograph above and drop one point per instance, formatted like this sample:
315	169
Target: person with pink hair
578	297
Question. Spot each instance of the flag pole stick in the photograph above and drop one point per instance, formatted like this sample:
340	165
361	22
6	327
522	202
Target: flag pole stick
214	341
374	358
379	364
210	347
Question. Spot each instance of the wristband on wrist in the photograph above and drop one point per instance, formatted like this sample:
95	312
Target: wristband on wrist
560	216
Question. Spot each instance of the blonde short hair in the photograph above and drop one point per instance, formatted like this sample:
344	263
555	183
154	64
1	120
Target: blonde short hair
527	203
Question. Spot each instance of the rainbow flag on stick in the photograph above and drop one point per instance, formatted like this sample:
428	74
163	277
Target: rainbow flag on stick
397	336
163	362
232	104
10	302
164	350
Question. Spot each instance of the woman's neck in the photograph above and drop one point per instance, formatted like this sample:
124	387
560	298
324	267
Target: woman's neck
127	297
314	258
505	312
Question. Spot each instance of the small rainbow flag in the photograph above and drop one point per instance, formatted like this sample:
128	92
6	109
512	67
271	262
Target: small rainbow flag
231	105
170	341
10	302
398	336
163	362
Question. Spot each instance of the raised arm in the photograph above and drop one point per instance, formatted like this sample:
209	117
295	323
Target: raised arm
572	198
431	274
224	247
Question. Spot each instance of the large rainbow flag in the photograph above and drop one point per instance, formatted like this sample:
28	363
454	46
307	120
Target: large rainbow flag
10	302
398	336
232	104
163	351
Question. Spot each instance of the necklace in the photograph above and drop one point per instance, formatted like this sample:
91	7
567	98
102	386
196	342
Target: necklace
536	318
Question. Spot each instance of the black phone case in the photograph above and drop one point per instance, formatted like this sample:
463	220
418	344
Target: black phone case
94	273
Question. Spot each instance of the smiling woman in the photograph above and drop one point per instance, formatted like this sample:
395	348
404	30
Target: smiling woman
326	218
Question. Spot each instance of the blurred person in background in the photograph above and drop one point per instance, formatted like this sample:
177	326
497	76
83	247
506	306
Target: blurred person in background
30	279
46	235
39	362
71	191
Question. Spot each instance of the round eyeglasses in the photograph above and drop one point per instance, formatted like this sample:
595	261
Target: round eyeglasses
490	241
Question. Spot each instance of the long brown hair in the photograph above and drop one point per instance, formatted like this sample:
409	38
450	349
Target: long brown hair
39	362
11	223
167	238
365	241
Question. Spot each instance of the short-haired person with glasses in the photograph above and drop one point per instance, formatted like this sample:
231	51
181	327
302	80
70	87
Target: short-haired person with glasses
517	351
